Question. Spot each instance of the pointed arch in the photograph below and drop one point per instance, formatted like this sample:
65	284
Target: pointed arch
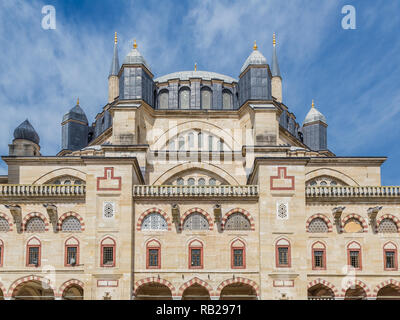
23	280
249	282
8	219
357	217
164	282
70	214
389	282
67	284
388	216
320	216
356	282
32	215
238	210
149	211
197	210
193	281
324	283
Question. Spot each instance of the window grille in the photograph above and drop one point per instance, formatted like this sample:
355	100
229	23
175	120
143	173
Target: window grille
387	226
202	182
355	259
191	140
35	224
390	262
72	254
181	142
282	211
163	100
212	182
238	257
191	182
33	255
206	98
237	221
319	259
318	225
184	98
71	224
4	225
180	182
283	256
226	100
108	210
108	255
195	221
195	257
153	257
323	183
154	221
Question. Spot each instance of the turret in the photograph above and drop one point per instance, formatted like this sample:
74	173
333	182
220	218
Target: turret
26	141
254	78
75	129
113	83
276	82
315	130
136	80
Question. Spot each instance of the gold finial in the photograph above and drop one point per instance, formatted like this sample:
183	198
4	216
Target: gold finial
274	40
255	45
134	44
77	102
195	66
115	38
312	104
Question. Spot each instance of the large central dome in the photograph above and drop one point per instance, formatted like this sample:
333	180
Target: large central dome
186	75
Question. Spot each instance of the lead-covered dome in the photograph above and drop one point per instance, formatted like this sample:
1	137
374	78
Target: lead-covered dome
314	115
135	57
76	113
26	131
255	58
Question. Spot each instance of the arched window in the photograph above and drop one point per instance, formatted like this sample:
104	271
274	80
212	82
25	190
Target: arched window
33	252
202	182
353	225
35	224
153	255
206	98
354	255
212	182
318	256
318	225
210	143
107	252
181	141
237	221
195	221
390	256
154	221
71	224
67	182
4	225
184	98
387	225
180	182
238	255
71	252
195	255
226	99
282	253
220	145
191	182
1	252
191	140
163	99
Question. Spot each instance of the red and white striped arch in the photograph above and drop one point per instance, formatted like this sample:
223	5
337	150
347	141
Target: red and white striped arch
198	210
357	217
23	280
193	281
70	214
68	284
249	282
388	216
321	216
32	215
164	282
356	282
324	283
390	282
10	223
242	211
153	210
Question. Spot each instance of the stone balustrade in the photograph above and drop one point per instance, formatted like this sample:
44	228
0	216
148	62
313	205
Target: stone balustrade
195	191
41	190
353	192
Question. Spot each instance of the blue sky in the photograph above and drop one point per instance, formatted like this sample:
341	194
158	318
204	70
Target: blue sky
353	75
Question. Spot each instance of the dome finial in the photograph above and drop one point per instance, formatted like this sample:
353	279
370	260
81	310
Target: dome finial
115	38
134	44
274	40
195	66
77	102
312	104
255	45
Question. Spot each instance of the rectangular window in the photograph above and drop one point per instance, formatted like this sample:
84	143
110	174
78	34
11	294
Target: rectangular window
33	256
195	258
355	259
153	258
238	258
283	257
390	259
319	259
108	256
72	256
